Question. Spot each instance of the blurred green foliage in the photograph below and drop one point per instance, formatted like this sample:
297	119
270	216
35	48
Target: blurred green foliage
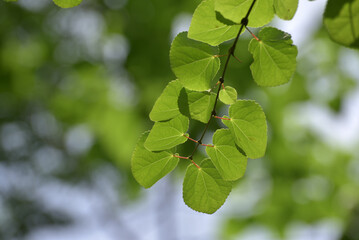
82	82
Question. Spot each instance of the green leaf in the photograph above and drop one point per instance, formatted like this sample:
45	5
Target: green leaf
206	27
67	3
194	63
203	189
228	95
230	163
149	167
235	10
166	106
285	9
341	19
197	105
165	135
274	57
248	127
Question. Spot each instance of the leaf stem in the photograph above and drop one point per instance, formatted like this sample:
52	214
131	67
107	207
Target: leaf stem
193	140
252	34
223	55
177	156
244	23
196	164
190	139
237	58
222	118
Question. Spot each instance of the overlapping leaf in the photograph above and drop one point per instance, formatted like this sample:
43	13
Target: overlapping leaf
230	163
228	95
197	105
194	63
235	10
248	127
67	3
166	106
149	167
203	189
285	9
165	135
274	57
341	18
205	26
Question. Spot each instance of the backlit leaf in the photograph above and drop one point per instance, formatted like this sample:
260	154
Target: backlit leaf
67	3
203	189
274	57
341	19
197	105
230	163
205	26
194	63
165	135
149	167
285	9
166	106
228	95
248	127
235	10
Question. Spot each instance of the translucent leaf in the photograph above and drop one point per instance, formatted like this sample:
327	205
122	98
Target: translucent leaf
274	57
197	105
165	135
230	163
285	9
166	106
341	19
194	63
248	127
235	10
228	95
205	26
149	167
203	189
67	3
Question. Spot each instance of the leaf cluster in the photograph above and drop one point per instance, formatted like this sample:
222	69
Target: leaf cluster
195	61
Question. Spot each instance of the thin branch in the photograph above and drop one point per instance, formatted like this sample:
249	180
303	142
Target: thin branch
244	23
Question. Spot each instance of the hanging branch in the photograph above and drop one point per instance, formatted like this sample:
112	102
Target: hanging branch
244	23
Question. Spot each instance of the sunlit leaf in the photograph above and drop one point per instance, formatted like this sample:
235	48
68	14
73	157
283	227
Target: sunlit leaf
341	19
166	106
274	57
194	63
149	167
235	10
165	135
205	26
285	9
228	95
203	189
230	163
248	127
197	105
67	3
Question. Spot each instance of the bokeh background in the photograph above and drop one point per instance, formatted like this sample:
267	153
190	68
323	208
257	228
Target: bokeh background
76	88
